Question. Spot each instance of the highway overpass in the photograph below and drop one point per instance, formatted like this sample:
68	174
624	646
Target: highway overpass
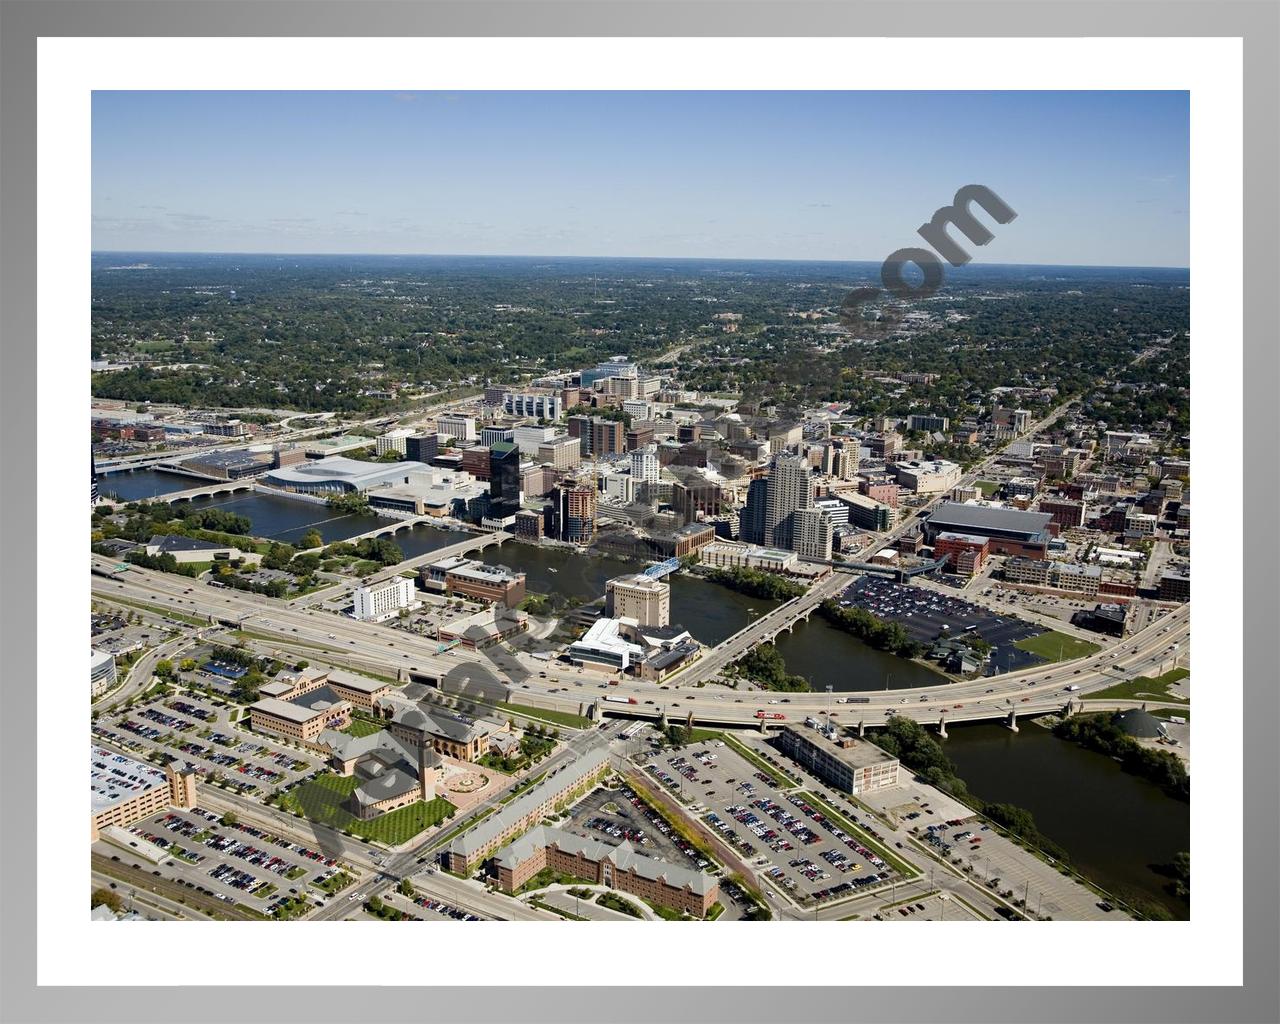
1035	690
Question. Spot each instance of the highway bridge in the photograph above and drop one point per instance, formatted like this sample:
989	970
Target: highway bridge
472	543
206	491
1038	690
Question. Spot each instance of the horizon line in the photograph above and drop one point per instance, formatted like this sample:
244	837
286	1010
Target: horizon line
548	256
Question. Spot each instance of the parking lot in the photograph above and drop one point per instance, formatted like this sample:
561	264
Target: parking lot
789	843
235	863
938	906
196	731
615	815
923	613
953	834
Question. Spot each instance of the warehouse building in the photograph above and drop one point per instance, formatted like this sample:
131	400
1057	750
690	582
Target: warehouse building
851	766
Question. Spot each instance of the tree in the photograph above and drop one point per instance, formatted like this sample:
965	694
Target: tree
312	539
229	819
406	888
164	668
107	898
187	664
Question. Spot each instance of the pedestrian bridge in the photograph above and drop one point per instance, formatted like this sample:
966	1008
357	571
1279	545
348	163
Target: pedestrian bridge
207	491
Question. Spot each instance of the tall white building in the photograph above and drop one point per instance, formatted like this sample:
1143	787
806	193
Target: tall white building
644	464
393	441
813	531
790	489
638	597
529	438
383	600
547	407
460	428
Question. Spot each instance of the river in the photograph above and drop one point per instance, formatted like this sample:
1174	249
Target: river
1113	824
145	483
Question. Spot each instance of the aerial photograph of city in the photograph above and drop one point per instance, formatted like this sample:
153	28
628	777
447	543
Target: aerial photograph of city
640	506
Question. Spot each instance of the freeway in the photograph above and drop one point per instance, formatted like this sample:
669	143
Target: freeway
1035	690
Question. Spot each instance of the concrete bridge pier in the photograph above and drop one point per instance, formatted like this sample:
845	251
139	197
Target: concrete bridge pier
403	675
942	727
688	721
1012	721
862	729
1069	709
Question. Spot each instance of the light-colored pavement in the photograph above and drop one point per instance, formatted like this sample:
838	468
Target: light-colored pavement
1036	690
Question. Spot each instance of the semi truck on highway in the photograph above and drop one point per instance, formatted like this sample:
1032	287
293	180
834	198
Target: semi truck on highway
620	700
770	714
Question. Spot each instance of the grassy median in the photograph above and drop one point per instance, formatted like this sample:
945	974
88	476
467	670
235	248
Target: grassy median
859	833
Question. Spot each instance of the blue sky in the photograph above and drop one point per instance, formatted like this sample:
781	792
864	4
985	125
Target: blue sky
1097	178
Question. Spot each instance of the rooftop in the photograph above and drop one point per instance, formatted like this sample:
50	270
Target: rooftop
522	806
171	542
859	754
115	778
624	856
965	517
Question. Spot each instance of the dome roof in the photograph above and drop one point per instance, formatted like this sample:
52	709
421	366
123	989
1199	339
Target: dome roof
1138	723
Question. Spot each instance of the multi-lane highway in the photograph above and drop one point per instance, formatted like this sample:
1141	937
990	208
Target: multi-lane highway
390	651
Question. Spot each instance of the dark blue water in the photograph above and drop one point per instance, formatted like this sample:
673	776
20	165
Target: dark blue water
1113	825
145	483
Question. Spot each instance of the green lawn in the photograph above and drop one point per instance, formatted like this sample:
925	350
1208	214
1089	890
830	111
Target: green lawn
558	717
334	883
612	901
987	487
321	800
362	727
1054	646
1145	687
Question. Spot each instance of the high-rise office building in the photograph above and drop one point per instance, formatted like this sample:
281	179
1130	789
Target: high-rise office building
492	435
504	480
421	448
790	488
607	437
751	520
460	428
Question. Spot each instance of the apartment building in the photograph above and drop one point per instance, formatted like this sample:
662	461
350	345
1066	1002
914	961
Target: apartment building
470	849
620	867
